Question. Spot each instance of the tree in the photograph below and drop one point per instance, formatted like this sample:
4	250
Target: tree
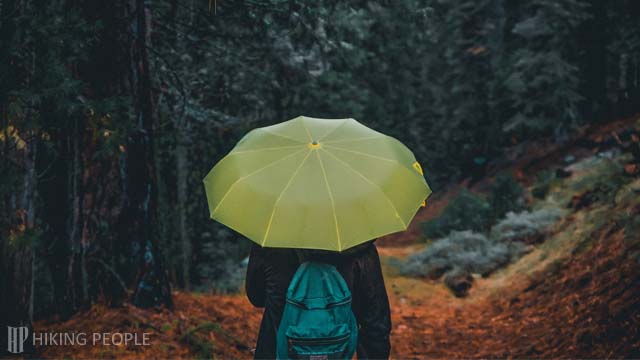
543	79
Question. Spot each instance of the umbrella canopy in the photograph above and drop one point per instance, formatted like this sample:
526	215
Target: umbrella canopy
326	184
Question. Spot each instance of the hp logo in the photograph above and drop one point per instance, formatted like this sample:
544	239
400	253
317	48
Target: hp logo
16	338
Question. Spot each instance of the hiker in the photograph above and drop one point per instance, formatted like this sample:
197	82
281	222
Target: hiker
320	185
270	271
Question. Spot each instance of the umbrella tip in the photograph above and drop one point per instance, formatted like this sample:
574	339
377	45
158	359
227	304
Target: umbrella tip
314	144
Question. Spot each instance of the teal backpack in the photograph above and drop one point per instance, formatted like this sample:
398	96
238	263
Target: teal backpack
317	322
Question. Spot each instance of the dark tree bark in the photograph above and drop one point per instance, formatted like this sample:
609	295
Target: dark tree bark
152	286
17	206
16	252
113	195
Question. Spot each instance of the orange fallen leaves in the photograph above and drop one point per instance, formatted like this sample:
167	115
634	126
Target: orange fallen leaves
559	316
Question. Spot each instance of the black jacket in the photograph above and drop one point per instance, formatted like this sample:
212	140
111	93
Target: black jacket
270	271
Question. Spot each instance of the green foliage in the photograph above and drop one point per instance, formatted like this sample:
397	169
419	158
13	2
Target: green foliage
506	195
198	339
543	78
467	211
621	39
25	239
166	327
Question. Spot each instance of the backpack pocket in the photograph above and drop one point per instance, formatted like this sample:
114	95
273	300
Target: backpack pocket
306	344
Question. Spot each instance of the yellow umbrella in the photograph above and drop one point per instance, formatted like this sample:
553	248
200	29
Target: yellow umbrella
327	184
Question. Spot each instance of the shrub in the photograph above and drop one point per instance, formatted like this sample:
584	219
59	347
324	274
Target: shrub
469	211
543	183
462	250
466	212
506	195
527	227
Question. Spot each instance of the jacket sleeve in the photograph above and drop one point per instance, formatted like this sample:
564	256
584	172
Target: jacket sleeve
255	279
375	322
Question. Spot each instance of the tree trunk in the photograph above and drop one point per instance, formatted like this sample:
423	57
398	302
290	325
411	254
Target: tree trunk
17	206
113	191
152	286
182	168
17	251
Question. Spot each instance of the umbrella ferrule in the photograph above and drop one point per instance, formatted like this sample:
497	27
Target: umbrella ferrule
314	145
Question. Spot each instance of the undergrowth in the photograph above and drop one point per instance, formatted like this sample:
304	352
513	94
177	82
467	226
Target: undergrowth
478	234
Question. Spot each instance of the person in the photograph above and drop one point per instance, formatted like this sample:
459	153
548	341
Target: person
270	270
268	275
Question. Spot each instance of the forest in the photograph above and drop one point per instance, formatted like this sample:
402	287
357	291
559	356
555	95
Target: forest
525	116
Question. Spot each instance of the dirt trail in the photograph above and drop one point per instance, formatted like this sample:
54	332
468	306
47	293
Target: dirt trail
587	307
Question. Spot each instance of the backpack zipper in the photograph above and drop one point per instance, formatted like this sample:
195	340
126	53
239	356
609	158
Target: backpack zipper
329	305
319	341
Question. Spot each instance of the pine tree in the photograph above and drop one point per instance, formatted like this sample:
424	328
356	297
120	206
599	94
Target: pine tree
543	77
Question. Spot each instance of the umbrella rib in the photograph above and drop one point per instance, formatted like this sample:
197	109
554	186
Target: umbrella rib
280	135
266	233
356	139
248	175
363	154
333	205
345	121
264	149
372	183
306	130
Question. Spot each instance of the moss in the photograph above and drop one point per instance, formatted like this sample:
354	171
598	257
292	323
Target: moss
166	327
593	174
628	195
555	267
631	223
543	256
601	171
583	245
197	338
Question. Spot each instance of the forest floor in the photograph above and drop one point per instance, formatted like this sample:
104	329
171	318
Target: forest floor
576	295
